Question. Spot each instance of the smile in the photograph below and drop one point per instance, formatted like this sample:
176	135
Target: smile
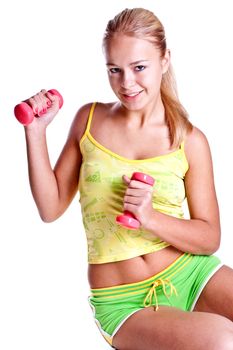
132	94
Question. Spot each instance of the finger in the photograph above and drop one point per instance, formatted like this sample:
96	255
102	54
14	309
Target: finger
136	192
132	208
34	105
126	179
132	200
42	103
139	184
52	97
45	93
133	191
54	100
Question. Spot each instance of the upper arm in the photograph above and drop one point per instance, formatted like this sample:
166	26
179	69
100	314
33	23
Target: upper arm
69	162
199	180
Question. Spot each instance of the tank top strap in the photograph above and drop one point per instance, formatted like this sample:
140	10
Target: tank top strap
90	117
185	160
89	120
182	146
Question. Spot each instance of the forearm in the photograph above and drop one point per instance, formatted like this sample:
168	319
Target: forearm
42	179
193	235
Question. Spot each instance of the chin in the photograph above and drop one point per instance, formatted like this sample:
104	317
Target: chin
134	106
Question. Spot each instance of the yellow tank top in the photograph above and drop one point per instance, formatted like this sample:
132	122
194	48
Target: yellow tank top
101	198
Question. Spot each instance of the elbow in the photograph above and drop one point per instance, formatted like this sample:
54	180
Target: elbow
47	220
208	242
213	243
49	217
51	213
211	249
214	247
216	240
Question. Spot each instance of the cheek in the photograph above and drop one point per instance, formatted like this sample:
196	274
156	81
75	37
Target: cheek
152	84
114	82
154	79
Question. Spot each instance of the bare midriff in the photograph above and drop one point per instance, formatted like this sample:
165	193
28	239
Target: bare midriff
131	270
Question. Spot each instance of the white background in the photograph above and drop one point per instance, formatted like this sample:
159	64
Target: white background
57	44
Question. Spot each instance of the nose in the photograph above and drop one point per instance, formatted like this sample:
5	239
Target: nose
128	80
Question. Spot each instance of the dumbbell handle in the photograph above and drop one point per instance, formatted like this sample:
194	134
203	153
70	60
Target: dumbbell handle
24	113
127	219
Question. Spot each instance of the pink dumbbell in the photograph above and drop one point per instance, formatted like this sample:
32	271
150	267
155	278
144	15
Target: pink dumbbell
24	113
127	219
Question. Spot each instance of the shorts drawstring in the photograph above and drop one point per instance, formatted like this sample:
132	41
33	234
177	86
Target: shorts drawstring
148	301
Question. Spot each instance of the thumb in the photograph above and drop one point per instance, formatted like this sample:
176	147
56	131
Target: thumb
53	98
126	179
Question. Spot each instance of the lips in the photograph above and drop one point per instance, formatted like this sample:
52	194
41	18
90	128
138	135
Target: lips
131	95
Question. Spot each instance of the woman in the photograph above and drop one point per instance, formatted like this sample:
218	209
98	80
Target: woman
160	286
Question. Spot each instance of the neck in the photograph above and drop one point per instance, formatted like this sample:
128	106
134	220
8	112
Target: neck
152	113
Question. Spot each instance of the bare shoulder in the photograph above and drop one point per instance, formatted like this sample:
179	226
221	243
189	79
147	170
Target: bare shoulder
197	146
80	121
104	110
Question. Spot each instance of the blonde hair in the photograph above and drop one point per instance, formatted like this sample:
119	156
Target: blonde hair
142	23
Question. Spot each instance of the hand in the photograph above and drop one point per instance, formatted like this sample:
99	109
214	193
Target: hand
138	200
45	106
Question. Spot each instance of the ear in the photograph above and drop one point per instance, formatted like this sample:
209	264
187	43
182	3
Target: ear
166	61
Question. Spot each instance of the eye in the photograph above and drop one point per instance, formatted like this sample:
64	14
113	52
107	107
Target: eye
114	70
140	68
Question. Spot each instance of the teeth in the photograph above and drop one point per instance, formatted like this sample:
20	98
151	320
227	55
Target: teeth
133	94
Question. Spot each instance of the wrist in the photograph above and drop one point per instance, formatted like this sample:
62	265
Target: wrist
31	131
149	222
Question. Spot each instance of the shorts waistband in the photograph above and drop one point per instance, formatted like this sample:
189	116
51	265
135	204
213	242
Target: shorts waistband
136	287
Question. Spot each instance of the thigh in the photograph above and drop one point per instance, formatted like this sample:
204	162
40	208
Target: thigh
217	296
173	329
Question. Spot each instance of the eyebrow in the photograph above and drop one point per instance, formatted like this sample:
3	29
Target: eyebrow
131	64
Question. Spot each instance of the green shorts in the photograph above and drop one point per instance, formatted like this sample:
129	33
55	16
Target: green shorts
179	285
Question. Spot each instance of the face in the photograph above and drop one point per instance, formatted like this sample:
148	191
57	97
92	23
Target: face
135	70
